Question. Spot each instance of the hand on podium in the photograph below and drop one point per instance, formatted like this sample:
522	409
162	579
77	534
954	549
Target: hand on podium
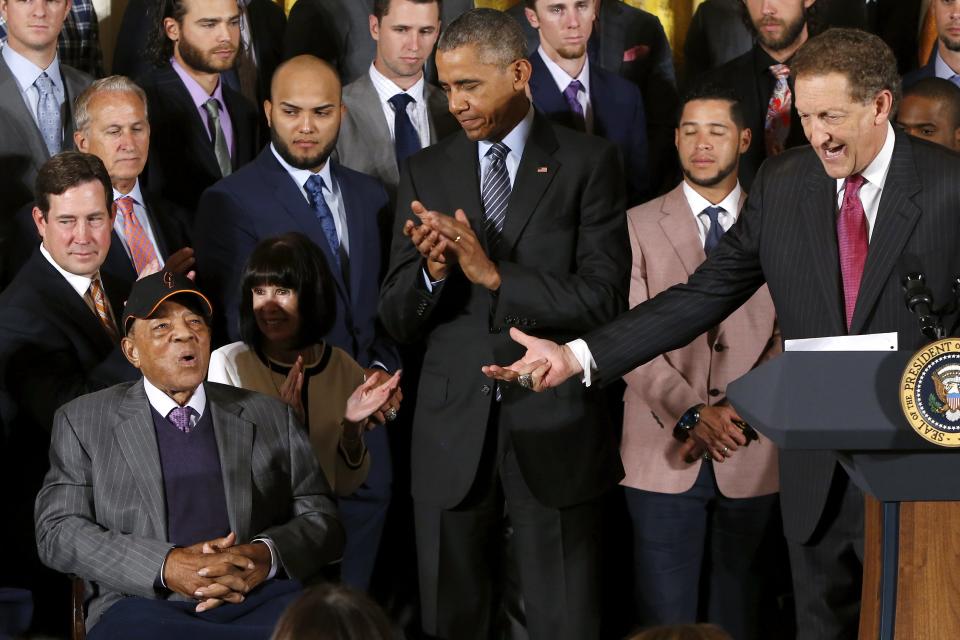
545	365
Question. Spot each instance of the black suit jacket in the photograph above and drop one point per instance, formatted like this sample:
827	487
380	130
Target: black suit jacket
896	21
786	237
262	200
564	262
182	161
748	76
928	70
618	116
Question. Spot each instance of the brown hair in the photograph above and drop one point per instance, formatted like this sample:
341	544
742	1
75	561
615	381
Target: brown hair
683	632
67	170
864	59
333	612
382	7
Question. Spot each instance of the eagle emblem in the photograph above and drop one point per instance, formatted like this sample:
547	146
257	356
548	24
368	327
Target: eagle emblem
946	384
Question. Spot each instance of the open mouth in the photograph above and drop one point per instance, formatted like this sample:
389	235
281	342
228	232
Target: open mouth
834	152
187	359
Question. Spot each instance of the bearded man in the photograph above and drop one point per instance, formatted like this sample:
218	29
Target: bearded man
201	129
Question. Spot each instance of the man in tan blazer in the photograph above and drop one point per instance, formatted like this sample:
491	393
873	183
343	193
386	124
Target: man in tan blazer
699	498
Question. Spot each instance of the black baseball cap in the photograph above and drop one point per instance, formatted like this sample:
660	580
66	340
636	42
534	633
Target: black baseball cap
151	291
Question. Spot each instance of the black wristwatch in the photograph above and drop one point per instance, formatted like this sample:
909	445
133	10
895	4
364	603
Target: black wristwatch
686	422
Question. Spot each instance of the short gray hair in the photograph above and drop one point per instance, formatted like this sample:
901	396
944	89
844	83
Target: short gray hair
110	84
497	37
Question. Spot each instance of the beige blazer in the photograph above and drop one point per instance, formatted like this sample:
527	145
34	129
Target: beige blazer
666	251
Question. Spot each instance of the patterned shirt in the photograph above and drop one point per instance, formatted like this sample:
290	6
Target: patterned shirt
79	42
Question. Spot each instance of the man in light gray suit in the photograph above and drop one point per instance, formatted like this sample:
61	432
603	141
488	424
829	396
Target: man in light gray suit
182	494
36	92
392	111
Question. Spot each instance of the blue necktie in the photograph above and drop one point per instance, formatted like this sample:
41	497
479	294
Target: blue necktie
48	113
314	188
406	140
715	232
495	192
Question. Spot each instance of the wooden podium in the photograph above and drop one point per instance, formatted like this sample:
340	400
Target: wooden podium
848	402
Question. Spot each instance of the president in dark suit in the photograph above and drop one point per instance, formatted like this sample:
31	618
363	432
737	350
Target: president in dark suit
825	227
570	88
149	480
201	129
521	223
293	186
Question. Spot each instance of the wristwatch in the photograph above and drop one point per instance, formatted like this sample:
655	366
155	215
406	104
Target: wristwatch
686	422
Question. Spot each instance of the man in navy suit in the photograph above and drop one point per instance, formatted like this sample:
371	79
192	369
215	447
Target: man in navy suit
945	61
294	186
573	92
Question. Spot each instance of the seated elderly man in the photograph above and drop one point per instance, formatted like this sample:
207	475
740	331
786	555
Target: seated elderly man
171	497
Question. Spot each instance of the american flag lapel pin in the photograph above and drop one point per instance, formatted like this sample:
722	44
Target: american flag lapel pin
541	169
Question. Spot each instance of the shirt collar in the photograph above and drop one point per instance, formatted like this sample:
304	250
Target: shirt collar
387	88
164	404
561	77
80	284
516	140
26	73
197	93
730	204
876	171
941	68
135	193
300	176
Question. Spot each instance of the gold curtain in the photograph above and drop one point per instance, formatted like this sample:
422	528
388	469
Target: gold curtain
675	16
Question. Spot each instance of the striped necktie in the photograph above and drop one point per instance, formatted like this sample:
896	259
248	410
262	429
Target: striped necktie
138	242
495	192
100	306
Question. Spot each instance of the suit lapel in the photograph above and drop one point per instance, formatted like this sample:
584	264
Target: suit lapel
437	107
463	187
235	445
369	112
603	113
537	170
546	96
818	215
179	96
11	102
355	229
679	226
609	38
242	136
896	217
73	86
138	441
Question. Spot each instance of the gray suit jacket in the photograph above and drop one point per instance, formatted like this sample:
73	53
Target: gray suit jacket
101	512
364	144
22	150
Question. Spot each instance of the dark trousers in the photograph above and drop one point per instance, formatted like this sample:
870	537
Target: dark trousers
364	513
696	555
828	569
134	618
461	556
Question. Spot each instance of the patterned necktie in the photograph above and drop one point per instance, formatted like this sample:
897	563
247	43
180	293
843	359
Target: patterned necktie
571	93
100	306
314	188
853	242
138	242
220	149
406	140
715	232
180	418
48	113
495	192
776	128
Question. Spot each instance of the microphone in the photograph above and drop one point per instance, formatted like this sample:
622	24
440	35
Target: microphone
919	298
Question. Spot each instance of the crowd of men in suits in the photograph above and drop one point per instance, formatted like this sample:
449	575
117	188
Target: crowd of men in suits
480	183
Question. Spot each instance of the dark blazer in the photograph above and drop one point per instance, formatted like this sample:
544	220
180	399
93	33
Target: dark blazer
896	21
182	161
618	116
631	43
564	262
928	70
23	151
754	89
786	237
337	31
260	201
102	516
716	35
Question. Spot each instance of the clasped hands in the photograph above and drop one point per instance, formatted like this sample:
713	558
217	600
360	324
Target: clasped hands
217	571
445	240
716	435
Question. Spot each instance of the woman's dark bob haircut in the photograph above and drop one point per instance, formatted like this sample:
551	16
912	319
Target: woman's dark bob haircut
294	262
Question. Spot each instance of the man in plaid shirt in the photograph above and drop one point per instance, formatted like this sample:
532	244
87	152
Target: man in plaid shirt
79	42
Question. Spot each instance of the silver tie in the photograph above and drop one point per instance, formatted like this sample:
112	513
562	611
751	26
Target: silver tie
48	113
219	140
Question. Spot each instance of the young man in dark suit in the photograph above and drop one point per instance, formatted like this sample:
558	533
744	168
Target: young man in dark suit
837	218
294	186
201	129
514	222
573	90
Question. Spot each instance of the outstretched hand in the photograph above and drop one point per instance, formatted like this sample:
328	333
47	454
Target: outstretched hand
549	364
372	396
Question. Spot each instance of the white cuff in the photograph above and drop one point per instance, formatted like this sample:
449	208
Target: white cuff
582	353
273	556
430	283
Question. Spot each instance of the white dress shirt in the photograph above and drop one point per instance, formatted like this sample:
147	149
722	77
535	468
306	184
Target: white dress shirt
26	73
726	218
417	110
331	194
80	284
563	79
140	212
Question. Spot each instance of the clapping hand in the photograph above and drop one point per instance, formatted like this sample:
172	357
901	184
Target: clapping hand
292	388
375	395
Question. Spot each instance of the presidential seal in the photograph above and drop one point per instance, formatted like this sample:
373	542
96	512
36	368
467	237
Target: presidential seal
930	392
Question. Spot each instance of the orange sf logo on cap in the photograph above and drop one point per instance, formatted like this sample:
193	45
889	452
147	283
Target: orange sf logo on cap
168	279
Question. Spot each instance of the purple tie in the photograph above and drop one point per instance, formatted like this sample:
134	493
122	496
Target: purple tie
570	93
180	417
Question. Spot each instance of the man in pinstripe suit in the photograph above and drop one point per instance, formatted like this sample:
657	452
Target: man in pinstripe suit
171	496
826	227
